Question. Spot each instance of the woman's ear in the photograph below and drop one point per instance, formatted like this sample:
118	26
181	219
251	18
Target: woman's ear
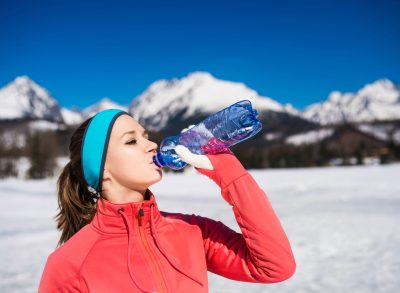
106	174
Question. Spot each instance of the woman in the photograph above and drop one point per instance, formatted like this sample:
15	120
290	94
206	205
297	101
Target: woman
115	239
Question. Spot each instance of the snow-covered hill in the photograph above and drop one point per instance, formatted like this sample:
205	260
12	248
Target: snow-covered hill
198	92
23	98
379	100
342	224
310	137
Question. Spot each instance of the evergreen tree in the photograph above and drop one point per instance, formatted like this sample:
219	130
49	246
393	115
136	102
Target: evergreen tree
42	149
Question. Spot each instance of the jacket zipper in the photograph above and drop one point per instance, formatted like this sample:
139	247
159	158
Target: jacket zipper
153	261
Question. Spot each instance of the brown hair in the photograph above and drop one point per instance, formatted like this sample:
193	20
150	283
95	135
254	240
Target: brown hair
77	203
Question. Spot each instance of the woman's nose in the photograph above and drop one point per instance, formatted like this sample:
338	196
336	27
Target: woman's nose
153	147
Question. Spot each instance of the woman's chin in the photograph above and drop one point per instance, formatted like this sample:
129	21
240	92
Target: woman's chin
157	178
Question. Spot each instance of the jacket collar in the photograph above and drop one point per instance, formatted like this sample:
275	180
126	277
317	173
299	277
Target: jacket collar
108	219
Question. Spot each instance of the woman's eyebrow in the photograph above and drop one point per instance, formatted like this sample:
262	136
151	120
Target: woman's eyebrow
134	131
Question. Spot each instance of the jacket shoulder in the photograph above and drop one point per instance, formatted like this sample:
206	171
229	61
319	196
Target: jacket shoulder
74	250
63	264
178	217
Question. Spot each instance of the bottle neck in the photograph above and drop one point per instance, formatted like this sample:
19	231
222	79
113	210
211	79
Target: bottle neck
158	160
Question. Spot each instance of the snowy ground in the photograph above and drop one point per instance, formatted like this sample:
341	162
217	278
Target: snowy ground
343	224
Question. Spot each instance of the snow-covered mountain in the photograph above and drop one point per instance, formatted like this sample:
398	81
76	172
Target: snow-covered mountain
379	100
198	92
103	104
73	117
23	98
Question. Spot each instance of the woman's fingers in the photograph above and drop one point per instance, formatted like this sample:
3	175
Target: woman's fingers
199	161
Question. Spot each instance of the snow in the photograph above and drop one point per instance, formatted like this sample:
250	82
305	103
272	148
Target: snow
292	110
198	92
71	117
104	104
43	125
383	90
342	223
379	100
201	92
309	137
24	98
273	136
384	132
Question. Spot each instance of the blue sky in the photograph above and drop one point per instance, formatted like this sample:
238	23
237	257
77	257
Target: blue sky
292	51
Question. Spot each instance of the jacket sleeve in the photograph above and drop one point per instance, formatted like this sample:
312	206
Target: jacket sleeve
59	277
262	253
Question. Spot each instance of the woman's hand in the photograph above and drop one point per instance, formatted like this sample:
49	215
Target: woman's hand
199	161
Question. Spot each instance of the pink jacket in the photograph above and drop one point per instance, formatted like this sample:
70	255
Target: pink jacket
135	247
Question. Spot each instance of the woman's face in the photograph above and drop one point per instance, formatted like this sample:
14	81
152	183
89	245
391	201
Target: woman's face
129	166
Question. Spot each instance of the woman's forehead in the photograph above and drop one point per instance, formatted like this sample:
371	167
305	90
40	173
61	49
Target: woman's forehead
125	123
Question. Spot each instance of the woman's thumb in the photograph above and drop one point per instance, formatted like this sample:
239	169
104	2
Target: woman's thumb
199	161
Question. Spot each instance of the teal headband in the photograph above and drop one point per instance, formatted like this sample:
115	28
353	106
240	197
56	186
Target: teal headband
94	146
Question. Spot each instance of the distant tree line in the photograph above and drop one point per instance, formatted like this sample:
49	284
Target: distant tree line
9	153
41	148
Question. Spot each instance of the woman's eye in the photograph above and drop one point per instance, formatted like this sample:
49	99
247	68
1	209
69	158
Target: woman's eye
131	141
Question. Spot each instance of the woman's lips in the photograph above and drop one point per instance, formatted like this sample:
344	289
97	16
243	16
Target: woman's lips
155	165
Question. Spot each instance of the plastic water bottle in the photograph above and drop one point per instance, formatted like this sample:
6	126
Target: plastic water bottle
213	135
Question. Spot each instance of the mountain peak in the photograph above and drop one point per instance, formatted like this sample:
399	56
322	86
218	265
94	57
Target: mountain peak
382	90
382	83
105	100
197	93
103	104
23	79
335	97
23	98
379	100
200	75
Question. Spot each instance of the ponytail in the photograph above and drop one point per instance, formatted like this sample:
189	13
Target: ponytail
76	202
